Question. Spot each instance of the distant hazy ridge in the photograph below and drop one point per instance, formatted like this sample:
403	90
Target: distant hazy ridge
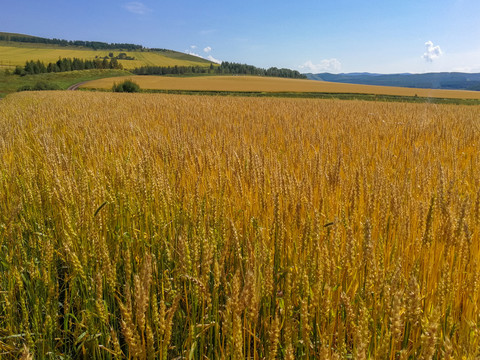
443	80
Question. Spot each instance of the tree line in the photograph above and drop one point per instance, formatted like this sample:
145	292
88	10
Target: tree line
66	64
224	68
89	44
173	70
244	69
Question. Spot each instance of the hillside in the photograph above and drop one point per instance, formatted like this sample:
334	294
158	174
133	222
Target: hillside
16	49
442	80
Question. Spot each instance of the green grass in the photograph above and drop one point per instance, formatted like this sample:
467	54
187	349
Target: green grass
11	83
182	56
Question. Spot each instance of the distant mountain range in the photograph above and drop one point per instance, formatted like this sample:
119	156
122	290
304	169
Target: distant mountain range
442	80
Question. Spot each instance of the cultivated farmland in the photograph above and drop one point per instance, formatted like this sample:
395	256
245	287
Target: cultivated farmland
168	226
17	54
271	84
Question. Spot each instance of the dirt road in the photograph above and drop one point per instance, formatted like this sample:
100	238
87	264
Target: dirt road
76	86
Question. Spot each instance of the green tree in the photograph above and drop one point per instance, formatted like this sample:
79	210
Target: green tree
40	67
114	64
105	64
19	71
126	86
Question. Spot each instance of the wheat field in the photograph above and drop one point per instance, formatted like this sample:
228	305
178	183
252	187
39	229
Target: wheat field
173	227
11	56
272	84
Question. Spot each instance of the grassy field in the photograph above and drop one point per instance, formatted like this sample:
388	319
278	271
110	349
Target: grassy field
12	54
11	83
164	226
268	84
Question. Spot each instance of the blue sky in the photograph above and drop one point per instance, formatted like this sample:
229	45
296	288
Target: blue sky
309	36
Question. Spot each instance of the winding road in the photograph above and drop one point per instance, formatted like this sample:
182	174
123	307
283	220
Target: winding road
76	86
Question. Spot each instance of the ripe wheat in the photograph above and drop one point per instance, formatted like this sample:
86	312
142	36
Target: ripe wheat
159	226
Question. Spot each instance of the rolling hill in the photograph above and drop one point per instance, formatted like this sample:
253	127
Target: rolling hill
16	49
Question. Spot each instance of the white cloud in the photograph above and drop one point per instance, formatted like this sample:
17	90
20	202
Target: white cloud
326	65
189	52
212	59
136	7
431	52
209	57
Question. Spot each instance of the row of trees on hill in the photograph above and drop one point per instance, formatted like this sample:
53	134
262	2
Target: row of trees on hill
89	44
244	69
173	70
223	68
66	64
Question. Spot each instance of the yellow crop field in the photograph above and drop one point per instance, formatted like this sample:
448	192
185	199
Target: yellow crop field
270	84
149	226
18	55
